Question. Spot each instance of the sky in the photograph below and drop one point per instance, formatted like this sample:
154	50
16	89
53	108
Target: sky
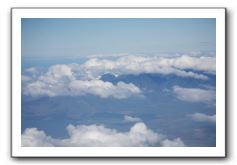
82	37
118	82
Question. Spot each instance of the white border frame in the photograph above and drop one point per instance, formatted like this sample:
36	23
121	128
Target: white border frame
218	151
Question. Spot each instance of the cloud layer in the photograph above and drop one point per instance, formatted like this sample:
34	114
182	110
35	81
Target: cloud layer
95	67
195	94
103	89
60	81
200	117
82	79
99	136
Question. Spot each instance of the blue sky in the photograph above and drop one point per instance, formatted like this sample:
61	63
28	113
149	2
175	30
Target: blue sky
82	37
158	89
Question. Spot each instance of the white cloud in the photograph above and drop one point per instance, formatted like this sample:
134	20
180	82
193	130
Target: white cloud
195	94
60	71
173	143
99	136
103	89
60	81
32	137
81	79
200	117
196	63
53	83
95	67
131	119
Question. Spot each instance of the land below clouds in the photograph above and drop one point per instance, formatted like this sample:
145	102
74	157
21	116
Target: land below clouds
159	108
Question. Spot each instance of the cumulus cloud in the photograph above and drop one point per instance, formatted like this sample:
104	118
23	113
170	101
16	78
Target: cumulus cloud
60	80
99	136
60	71
131	119
81	79
173	143
103	89
32	137
95	67
196	63
195	94
200	117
